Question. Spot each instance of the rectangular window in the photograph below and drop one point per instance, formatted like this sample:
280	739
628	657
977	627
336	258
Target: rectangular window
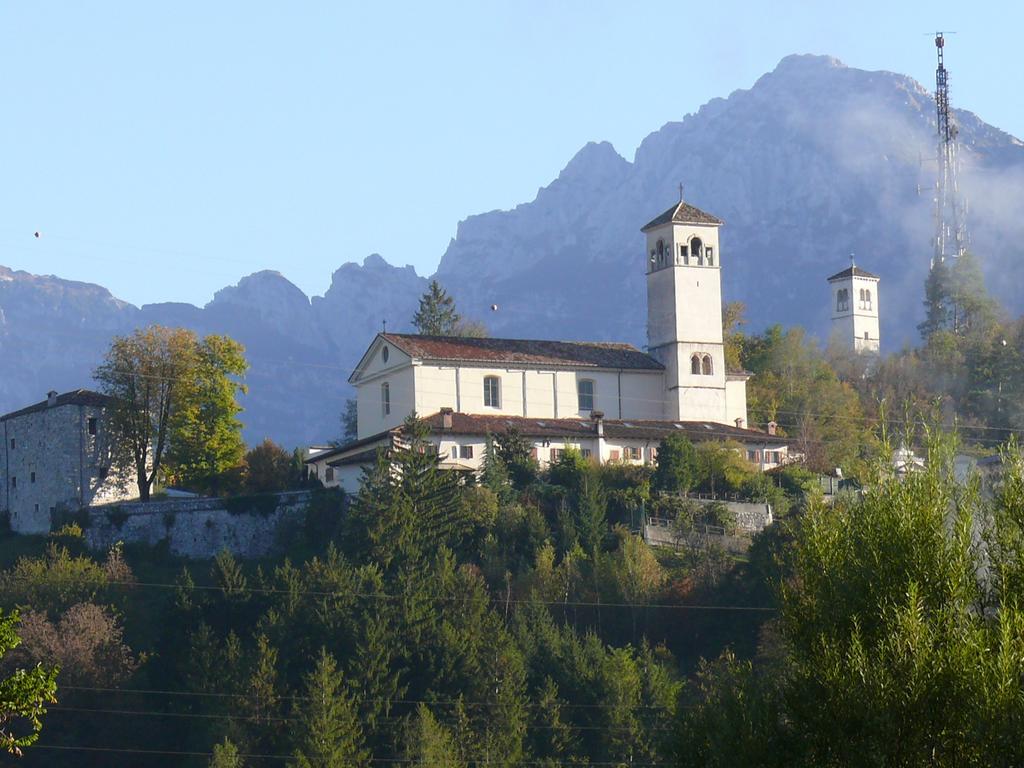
614	455
12	443
585	394
32	477
466	452
385	399
556	454
752	456
492	392
685	251
710	253
632	453
587	453
329	474
92	425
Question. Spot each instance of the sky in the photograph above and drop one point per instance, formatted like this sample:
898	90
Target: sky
164	150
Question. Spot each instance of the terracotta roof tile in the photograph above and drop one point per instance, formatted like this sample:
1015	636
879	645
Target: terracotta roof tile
697	431
682	213
586	354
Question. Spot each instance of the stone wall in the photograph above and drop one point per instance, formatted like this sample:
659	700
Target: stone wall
659	533
249	527
51	460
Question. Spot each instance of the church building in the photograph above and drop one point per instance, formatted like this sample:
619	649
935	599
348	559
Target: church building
611	401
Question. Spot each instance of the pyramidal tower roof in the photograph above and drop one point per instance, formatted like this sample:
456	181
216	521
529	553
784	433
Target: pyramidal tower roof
683	213
853	271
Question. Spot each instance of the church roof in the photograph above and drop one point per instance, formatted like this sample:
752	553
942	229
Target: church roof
637	429
576	354
682	213
853	271
75	397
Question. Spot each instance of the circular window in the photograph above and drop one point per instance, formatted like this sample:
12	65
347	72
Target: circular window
384	354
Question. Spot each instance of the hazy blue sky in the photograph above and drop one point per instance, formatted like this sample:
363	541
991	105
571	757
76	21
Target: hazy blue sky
166	149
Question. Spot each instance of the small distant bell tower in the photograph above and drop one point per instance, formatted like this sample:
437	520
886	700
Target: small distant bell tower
855	302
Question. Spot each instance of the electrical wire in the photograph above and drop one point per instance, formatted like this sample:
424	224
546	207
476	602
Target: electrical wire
441	598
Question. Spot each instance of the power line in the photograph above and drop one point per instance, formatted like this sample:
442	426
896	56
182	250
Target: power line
293	719
379	760
442	598
293	697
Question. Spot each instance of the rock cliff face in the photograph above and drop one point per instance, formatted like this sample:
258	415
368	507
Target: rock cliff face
815	161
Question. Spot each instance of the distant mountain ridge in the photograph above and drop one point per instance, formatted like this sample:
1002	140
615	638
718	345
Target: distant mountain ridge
815	161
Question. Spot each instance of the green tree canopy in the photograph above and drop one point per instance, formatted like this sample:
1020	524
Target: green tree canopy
677	467
23	695
436	315
329	732
268	468
174	403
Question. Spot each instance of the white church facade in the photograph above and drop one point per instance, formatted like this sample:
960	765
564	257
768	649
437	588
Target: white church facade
611	401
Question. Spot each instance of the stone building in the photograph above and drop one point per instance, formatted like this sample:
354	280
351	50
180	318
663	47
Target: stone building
56	457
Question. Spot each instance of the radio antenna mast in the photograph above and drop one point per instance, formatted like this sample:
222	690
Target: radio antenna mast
950	209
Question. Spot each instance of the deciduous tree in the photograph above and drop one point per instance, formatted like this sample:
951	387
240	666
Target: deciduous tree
23	695
174	402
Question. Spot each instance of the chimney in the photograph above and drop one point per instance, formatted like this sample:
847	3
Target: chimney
446	418
598	418
51	398
772	426
739	423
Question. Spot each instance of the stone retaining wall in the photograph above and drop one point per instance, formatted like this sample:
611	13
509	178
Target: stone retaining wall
199	528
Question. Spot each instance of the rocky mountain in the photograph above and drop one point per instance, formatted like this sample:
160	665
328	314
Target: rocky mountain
815	161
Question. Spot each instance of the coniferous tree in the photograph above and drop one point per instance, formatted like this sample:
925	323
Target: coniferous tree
225	755
377	673
329	732
436	315
936	301
428	742
677	468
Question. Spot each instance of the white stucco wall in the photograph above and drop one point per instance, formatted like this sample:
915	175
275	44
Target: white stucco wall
736	402
850	326
369	407
538	393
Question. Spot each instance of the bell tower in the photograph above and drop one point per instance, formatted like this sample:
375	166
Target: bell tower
684	314
854	295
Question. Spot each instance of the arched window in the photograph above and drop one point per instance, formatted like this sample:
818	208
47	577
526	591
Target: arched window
492	392
385	399
867	299
697	249
705	367
695	365
661	252
585	394
684	251
710	253
842	300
